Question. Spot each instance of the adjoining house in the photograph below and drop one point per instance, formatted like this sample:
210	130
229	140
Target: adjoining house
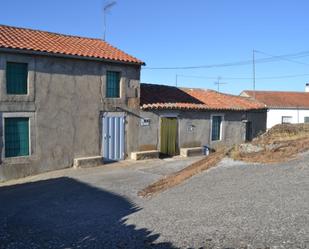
175	118
64	99
283	107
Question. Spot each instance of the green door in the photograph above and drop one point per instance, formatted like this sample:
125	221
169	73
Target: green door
168	136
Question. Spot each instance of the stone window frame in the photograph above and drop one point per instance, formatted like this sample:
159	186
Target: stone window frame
122	84
32	137
30	61
221	127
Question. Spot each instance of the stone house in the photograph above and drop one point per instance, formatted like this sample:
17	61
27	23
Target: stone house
283	107
176	118
63	100
69	100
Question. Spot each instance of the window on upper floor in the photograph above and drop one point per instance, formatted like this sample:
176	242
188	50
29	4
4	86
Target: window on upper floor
112	84
16	78
216	128
286	119
16	137
306	119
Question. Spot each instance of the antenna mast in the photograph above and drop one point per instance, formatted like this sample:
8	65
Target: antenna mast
106	8
253	71
218	83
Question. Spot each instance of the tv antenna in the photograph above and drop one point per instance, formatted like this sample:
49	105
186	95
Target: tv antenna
219	83
106	9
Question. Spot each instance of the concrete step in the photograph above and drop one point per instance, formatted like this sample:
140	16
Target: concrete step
88	162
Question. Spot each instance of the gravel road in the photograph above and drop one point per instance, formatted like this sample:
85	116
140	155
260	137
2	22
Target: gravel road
234	205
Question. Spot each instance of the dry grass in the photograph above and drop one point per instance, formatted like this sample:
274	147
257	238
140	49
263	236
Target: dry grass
174	179
279	144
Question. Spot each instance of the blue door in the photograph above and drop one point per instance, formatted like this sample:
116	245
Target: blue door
113	136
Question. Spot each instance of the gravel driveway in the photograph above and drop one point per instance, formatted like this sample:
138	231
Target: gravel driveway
234	205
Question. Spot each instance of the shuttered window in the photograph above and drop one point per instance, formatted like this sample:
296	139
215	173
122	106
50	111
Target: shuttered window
16	137
16	78
306	119
112	84
286	119
216	128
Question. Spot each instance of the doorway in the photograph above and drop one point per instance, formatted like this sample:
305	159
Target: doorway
168	136
249	136
113	136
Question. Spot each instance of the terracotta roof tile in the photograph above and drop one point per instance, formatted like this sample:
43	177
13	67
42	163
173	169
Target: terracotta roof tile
280	99
169	97
42	41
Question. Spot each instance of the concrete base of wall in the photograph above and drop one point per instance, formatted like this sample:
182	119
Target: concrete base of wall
87	162
196	151
142	155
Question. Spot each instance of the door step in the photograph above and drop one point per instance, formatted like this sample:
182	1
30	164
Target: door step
88	162
196	151
143	155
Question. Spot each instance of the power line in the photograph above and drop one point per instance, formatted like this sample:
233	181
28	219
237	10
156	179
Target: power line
243	78
238	63
281	58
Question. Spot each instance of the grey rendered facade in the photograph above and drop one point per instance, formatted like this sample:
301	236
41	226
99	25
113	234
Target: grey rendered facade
65	103
194	127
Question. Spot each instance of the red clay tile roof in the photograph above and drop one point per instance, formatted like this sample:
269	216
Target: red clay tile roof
278	99
169	97
42	41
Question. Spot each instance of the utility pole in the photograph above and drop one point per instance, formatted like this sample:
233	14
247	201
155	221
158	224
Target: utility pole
253	72
106	8
218	83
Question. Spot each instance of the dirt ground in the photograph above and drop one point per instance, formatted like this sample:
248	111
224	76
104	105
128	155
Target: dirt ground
281	143
178	177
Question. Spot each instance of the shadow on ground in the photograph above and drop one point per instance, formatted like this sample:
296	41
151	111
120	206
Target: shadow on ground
65	213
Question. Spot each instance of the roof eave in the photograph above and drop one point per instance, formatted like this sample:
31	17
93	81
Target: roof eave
289	107
151	108
60	55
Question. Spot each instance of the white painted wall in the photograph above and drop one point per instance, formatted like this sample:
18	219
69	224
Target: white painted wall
274	116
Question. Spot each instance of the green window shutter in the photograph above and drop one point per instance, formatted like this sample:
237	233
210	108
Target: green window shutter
16	78
16	137
112	84
216	128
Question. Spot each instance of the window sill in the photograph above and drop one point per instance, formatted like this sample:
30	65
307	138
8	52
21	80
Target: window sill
18	94
17	160
16	97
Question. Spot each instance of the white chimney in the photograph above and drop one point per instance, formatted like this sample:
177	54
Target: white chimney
307	88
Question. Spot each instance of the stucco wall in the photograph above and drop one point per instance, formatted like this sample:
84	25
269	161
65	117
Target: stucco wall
194	128
66	99
274	116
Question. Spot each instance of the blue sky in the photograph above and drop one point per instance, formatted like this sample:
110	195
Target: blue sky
178	33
